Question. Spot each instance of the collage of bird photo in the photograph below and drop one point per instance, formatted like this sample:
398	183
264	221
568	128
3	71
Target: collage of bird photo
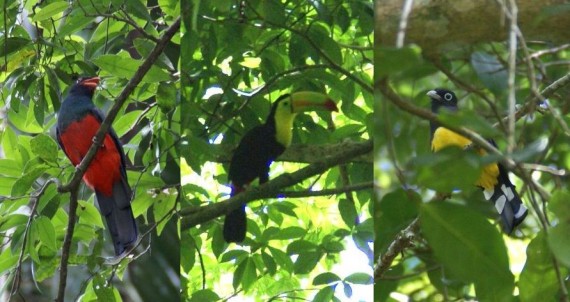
285	150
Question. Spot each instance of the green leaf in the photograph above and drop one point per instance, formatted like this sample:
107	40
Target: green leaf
300	246
490	71
204	295
290	233
46	232
103	289
9	167
538	280
384	287
46	269
395	60
559	242
306	262
138	9
469	246
170	7
125	67
347	211
44	147
123	125
560	206
282	259
325	278
163	205
74	23
269	263
325	294
89	215
359	278
50	10
7	261
166	96
24	183
249	274
12	44
14	220
460	169
471	120
320	35
395	212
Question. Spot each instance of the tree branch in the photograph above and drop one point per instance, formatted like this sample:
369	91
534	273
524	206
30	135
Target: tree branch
402	241
206	213
67	244
298	153
35	199
343	190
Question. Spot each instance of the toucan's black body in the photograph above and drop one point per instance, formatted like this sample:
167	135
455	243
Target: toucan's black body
251	159
262	145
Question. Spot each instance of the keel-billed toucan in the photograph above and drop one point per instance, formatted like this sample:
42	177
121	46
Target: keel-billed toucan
77	123
261	145
494	179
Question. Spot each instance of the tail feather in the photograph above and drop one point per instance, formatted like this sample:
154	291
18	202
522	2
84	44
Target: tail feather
119	216
509	205
235	223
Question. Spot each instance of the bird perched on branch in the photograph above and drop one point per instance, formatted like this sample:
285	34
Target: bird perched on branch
77	123
261	145
494	179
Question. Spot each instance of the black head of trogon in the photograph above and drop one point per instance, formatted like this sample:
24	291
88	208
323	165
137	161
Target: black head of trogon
441	99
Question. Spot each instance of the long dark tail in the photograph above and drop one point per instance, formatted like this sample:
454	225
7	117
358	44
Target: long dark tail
507	202
119	215
235	223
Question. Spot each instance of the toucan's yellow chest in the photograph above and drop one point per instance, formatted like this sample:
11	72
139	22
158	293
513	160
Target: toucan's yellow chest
443	137
284	127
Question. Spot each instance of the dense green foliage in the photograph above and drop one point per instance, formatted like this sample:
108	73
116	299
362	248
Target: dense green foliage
237	59
460	252
41	55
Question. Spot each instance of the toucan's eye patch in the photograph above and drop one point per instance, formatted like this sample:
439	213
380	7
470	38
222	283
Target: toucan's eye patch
448	97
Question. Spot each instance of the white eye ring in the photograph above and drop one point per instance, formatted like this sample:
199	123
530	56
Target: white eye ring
448	97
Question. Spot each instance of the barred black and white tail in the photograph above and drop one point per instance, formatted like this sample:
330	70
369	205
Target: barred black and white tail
506	201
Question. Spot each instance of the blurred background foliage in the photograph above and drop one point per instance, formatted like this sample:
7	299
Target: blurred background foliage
238	57
459	252
45	46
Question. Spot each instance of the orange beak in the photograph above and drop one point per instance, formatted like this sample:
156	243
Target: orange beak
90	82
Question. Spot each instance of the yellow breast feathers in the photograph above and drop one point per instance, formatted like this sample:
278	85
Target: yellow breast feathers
443	137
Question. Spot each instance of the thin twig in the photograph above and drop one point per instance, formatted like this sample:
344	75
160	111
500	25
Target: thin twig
402	241
34	199
67	243
406	10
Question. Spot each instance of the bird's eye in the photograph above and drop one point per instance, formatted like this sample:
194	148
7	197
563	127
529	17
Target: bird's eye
448	96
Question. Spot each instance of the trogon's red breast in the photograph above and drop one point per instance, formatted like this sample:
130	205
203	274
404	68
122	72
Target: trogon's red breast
77	123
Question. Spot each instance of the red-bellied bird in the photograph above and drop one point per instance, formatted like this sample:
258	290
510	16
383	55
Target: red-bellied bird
77	123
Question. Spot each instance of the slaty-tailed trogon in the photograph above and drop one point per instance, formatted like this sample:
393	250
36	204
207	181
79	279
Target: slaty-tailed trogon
77	123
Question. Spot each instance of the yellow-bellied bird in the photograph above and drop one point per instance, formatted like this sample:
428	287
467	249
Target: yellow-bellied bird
494	179
261	145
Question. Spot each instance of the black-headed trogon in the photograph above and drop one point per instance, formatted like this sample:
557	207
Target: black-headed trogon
494	179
